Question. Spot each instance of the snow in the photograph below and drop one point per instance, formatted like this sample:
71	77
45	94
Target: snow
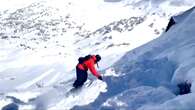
134	98
165	61
180	102
110	72
12	4
140	69
83	96
29	83
4	102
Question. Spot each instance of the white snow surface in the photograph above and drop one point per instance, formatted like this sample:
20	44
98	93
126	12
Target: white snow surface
40	42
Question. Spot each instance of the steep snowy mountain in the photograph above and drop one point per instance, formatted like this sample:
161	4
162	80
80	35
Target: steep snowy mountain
40	42
148	76
75	27
161	65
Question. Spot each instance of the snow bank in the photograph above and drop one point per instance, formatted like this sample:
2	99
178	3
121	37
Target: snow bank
137	97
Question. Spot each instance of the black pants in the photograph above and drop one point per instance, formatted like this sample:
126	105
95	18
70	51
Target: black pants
81	77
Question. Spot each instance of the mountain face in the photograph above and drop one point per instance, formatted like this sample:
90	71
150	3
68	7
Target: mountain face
148	76
42	23
81	29
41	41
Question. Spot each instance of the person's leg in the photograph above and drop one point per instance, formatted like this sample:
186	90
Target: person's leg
81	78
85	75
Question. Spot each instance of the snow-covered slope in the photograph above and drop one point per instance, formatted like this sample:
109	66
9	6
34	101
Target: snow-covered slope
41	41
72	29
148	76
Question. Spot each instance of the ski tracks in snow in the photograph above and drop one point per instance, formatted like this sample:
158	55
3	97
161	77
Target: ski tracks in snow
29	83
85	95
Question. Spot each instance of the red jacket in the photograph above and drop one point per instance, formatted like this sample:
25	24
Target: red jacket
90	65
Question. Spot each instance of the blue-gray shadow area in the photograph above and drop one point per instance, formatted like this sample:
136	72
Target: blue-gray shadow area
11	106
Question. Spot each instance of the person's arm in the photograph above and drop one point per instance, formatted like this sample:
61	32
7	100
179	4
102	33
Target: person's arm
93	70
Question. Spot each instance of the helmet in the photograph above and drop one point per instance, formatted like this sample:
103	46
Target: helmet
98	58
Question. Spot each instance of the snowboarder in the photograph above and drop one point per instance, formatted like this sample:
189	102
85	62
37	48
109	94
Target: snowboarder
82	67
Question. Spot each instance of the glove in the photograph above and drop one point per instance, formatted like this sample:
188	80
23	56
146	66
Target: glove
100	77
